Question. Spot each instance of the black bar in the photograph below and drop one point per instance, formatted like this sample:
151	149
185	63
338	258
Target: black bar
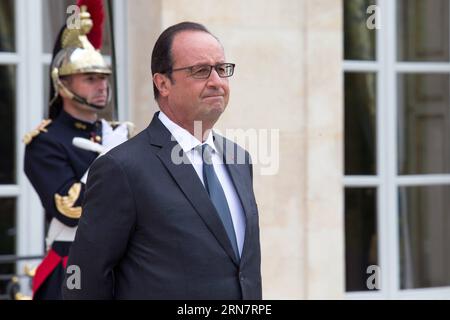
14	258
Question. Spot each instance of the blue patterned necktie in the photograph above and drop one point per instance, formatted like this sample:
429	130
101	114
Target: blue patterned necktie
217	196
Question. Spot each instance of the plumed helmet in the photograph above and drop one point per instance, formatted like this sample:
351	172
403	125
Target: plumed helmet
75	54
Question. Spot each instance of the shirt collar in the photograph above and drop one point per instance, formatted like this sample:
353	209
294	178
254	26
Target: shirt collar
184	138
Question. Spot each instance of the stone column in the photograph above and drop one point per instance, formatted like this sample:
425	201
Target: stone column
288	77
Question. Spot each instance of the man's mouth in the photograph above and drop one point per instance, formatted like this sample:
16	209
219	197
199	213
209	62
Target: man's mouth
213	97
99	100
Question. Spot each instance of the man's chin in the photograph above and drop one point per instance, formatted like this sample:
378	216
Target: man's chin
214	113
217	107
101	104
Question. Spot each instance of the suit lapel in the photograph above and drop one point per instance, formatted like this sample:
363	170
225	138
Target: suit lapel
185	176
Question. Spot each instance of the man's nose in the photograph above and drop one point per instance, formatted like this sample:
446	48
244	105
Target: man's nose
103	84
214	80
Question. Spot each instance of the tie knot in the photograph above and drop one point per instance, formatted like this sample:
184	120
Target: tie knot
207	153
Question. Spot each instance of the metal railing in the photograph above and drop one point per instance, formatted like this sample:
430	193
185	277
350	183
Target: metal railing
12	291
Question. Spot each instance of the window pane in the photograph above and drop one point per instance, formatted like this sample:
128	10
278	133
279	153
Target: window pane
46	82
359	40
423	124
424	236
360	123
107	29
361	248
7	238
7	27
56	9
423	30
55	16
7	124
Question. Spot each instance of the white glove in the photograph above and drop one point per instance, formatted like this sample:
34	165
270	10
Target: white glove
88	145
113	137
84	177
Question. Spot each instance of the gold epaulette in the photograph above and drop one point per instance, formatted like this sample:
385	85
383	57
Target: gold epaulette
34	133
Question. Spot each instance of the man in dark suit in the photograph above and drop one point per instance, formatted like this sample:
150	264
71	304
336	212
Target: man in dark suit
171	214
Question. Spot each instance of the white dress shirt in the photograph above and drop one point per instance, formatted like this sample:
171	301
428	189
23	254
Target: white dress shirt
189	143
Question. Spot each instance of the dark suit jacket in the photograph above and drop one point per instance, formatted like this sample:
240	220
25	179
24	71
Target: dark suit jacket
150	231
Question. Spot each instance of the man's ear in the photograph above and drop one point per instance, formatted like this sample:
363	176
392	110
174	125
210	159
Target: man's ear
163	83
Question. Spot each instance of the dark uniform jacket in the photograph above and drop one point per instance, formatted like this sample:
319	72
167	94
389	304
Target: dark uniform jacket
55	166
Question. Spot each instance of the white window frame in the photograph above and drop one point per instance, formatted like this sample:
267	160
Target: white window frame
29	221
387	181
29	60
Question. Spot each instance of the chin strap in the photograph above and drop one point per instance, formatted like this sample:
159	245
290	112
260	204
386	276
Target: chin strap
82	100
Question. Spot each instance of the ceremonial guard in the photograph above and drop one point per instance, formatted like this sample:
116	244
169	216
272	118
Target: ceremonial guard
61	149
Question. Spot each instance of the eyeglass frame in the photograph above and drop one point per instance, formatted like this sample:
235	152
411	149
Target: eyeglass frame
205	65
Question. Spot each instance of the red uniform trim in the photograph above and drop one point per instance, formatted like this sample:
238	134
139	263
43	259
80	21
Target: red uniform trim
65	262
46	267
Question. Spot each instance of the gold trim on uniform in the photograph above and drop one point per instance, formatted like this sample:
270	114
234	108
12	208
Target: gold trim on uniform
34	133
65	204
29	271
19	295
80	125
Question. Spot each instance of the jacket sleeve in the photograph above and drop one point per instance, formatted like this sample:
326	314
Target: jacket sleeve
103	232
49	170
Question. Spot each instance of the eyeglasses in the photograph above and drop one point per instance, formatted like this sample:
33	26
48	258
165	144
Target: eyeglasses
224	70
